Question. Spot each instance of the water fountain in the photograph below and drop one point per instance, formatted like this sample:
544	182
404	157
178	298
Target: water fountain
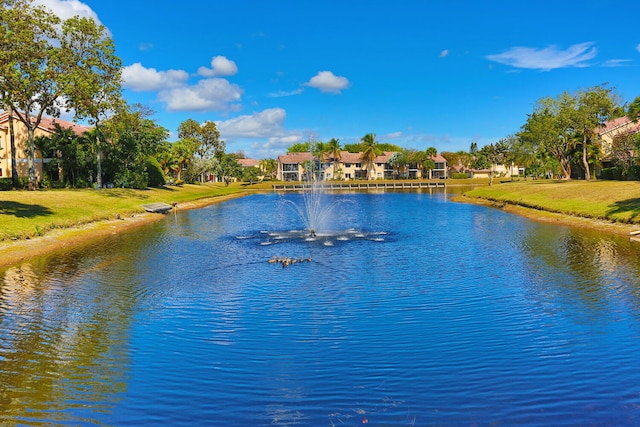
315	212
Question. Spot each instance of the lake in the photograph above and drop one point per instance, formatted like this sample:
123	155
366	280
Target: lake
407	310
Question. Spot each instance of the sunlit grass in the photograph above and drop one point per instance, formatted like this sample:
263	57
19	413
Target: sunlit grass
25	214
615	201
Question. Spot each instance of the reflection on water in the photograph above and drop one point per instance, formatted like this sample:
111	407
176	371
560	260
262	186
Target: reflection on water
459	315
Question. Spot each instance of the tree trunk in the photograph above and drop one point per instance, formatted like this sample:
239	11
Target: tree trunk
585	162
566	168
31	157
98	159
12	139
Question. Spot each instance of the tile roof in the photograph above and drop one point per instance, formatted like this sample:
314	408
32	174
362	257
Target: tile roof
295	158
618	123
245	163
48	124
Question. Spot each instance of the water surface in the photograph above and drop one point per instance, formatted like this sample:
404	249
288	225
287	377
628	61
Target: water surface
438	314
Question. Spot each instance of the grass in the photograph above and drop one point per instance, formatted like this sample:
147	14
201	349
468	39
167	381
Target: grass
26	214
615	201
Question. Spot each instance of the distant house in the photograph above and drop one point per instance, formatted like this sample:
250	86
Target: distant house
611	129
47	127
247	163
349	166
500	170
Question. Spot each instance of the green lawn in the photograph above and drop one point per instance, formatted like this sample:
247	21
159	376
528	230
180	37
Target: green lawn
32	213
616	201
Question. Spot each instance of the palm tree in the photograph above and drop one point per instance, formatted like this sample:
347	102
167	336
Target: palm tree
370	151
427	161
333	150
269	167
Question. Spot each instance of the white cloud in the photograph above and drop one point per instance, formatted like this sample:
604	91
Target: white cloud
638	47
214	94
616	63
444	53
282	93
548	58
326	81
392	135
140	79
206	95
66	9
268	123
220	66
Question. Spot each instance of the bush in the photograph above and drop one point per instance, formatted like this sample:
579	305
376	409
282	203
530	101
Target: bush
633	173
23	182
460	175
154	172
617	173
5	184
131	179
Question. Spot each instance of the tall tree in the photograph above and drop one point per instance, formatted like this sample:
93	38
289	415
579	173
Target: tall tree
633	109
334	150
594	107
269	167
93	76
30	64
206	137
370	151
549	127
133	137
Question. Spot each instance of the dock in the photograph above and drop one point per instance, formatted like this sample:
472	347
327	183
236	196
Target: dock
157	207
347	186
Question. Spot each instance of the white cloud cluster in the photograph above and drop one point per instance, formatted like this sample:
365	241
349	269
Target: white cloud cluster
326	81
266	123
548	58
220	66
138	78
209	94
444	53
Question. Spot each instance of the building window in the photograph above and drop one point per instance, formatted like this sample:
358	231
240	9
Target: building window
0	143
1	172
347	165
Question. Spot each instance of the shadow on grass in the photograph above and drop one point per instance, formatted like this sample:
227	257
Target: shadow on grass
629	208
122	193
21	210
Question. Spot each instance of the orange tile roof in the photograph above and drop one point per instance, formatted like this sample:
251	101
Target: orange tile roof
48	124
295	158
617	123
245	163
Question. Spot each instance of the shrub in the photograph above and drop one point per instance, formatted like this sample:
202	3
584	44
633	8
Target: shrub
154	173
5	184
23	182
460	175
131	179
633	173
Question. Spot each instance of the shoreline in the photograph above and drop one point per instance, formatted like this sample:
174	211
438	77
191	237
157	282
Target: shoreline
19	251
549	217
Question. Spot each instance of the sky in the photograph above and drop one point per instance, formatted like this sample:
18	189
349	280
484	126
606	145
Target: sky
417	73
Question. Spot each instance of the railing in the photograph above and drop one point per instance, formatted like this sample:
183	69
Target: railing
360	185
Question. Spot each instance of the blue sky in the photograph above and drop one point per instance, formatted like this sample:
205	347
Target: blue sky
416	73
